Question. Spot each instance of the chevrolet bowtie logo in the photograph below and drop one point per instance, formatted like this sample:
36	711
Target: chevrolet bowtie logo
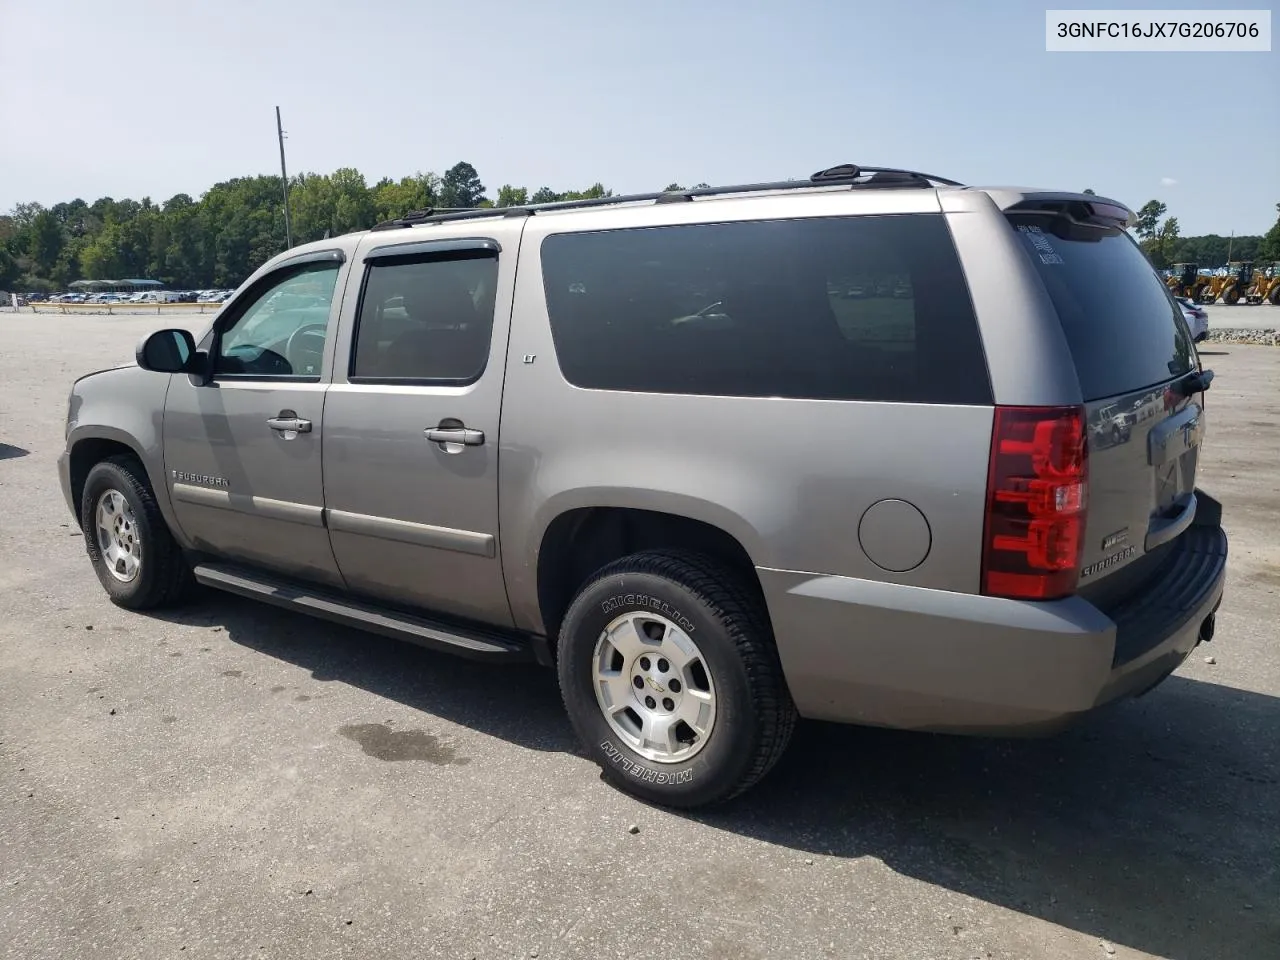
658	688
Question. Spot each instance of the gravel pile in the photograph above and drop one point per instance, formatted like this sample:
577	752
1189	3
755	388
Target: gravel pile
1270	338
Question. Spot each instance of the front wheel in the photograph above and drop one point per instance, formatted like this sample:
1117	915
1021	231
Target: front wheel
671	679
134	555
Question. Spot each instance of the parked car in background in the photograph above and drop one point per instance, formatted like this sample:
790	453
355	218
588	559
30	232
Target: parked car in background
1197	318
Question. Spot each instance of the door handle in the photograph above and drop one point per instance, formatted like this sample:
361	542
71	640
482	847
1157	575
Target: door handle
289	422
462	435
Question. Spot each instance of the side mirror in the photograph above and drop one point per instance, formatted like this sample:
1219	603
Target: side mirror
167	351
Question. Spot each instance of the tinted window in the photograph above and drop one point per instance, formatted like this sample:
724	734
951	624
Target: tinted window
282	332
426	319
846	308
1122	326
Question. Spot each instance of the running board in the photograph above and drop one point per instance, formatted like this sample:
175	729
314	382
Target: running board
471	642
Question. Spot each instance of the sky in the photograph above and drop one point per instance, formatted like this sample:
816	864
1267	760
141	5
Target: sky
134	98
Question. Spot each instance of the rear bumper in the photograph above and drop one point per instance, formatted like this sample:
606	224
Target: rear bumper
861	651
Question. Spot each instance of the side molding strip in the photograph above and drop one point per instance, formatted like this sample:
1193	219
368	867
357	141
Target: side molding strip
420	534
263	507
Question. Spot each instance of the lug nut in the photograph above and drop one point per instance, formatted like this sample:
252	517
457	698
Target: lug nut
668	704
639	683
663	666
674	686
650	703
644	663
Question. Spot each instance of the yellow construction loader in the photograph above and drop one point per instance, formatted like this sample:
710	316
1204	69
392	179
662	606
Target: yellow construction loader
1210	292
1266	285
1185	281
1239	278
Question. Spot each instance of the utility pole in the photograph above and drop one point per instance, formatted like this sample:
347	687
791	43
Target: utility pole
1230	243
284	183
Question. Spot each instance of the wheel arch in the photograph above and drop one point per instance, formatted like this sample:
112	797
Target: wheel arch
581	540
88	446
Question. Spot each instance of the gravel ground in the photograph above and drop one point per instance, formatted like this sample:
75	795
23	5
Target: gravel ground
236	781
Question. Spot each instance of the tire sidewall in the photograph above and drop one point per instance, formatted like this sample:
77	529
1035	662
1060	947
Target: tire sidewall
717	767
109	476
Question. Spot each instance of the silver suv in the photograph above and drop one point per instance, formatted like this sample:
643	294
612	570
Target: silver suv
843	448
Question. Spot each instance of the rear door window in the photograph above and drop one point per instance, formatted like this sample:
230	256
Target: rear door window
1124	330
426	318
838	308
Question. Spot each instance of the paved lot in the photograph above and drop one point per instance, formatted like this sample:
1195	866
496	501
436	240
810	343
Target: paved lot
1243	317
237	781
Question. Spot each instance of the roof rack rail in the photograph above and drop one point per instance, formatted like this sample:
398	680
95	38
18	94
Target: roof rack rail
845	174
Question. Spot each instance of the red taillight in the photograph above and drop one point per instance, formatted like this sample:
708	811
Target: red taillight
1037	492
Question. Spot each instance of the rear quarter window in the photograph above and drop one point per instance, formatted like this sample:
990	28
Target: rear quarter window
1122	325
839	308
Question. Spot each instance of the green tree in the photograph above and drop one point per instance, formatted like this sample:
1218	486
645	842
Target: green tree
509	196
8	269
24	213
68	266
232	228
1269	246
1149	219
101	257
593	192
673	188
461	187
354	207
33	284
45	243
1165	242
1090	191
392	199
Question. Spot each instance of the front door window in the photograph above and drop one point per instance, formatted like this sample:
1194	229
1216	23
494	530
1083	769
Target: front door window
283	331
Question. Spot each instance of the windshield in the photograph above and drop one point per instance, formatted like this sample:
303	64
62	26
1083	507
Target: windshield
1124	330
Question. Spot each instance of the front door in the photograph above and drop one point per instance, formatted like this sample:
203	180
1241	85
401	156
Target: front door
242	453
411	432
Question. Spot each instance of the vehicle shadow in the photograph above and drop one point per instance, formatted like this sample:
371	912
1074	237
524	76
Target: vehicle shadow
9	452
1154	825
518	702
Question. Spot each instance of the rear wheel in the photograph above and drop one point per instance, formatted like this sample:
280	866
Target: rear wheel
1231	296
671	679
1274	295
134	555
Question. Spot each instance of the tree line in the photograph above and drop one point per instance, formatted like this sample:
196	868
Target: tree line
237	225
226	234
1161	240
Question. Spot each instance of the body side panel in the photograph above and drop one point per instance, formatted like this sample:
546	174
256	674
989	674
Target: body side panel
1027	353
789	479
125	405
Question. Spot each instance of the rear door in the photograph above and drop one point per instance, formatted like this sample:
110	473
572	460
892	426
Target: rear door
411	423
1136	364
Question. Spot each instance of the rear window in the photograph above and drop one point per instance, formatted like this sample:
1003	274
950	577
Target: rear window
849	308
1123	328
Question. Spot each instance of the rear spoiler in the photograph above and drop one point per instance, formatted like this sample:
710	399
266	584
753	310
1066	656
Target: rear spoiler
1081	208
